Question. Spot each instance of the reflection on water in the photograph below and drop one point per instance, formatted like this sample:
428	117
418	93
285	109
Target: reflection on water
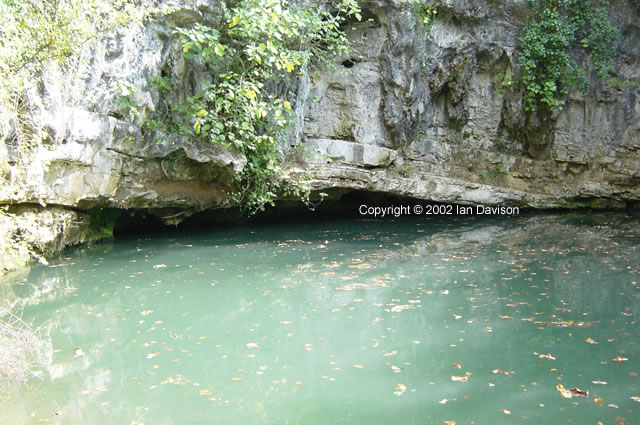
345	322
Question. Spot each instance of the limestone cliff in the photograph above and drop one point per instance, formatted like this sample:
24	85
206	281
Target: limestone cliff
412	111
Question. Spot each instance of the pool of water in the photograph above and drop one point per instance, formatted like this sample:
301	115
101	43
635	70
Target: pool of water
354	322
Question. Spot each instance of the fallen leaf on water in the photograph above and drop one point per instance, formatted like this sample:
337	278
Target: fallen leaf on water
591	341
599	401
235	378
446	400
599	382
415	341
545	356
621	421
391	353
633	373
358	366
77	352
146	312
159	266
204	392
573	392
400	389
450	422
503	372
457	365
505	411
252	345
399	308
619	359
461	378
635	398
579	393
613	406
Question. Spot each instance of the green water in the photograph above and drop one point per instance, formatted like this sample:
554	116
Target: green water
342	322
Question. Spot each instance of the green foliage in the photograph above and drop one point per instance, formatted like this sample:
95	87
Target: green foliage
103	220
404	170
160	83
125	102
547	68
504	82
425	10
36	34
260	45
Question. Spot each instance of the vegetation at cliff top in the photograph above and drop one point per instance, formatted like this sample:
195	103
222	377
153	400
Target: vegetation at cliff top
253	58
548	69
35	34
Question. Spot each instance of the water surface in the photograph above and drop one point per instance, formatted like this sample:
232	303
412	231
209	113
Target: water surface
354	322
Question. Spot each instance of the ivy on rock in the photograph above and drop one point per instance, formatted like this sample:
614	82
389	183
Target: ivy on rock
547	68
246	104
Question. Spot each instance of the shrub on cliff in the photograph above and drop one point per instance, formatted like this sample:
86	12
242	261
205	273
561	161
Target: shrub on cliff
253	56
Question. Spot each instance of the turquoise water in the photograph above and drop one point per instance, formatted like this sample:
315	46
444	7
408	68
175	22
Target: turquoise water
342	322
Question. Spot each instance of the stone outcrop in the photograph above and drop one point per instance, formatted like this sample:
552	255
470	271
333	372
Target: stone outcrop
34	232
419	112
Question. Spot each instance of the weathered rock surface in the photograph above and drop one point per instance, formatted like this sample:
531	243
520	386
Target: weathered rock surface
411	112
30	232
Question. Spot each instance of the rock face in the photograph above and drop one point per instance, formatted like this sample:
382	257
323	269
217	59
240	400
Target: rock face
36	232
437	98
412	111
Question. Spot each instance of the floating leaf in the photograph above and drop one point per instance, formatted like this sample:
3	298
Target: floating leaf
400	389
457	365
545	356
446	400
358	366
619	359
591	341
505	411
573	392
503	372
599	401
464	378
